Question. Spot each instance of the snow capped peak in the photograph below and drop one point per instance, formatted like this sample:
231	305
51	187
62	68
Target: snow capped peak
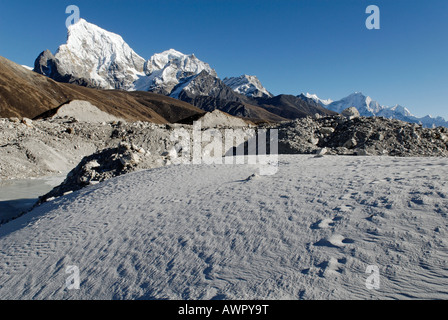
358	94
247	85
401	110
100	57
365	105
83	33
82	26
368	107
165	70
311	96
177	60
317	99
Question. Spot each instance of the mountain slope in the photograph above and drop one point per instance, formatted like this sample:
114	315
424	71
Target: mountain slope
94	57
209	93
312	97
104	60
25	93
365	105
97	57
165	70
249	86
292	107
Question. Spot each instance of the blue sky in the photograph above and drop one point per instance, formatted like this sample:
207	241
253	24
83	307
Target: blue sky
293	46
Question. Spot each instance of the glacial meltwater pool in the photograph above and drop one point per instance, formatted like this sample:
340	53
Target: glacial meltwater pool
17	196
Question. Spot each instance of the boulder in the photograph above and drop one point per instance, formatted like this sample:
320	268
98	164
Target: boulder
350	143
326	130
362	152
129	159
351	113
321	152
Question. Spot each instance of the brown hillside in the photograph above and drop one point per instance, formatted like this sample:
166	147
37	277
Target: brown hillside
24	93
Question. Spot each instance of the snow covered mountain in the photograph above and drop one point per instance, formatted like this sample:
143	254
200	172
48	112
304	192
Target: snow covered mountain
202	84
210	93
248	85
395	112
316	99
98	58
165	70
367	107
432	122
93	56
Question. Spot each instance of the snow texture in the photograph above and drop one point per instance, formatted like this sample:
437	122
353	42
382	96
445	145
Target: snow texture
223	232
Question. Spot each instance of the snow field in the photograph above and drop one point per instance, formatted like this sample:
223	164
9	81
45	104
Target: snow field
207	232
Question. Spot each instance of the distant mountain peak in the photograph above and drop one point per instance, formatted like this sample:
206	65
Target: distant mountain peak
94	57
367	107
247	85
316	99
166	69
402	110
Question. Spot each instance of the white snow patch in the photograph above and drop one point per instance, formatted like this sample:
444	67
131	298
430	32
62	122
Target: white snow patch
323	102
247	85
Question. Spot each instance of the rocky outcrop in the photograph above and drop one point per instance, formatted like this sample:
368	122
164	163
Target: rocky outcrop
103	165
350	113
361	136
250	86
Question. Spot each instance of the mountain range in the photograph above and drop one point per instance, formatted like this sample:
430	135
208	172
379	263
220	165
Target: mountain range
96	58
368	107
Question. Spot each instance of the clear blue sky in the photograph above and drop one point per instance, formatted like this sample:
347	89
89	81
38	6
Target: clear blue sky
293	46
